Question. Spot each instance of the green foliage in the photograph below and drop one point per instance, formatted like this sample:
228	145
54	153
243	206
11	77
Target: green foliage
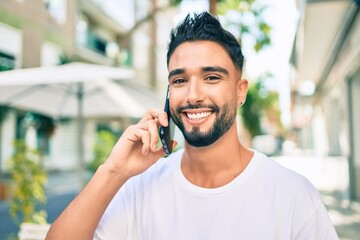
43	124
105	140
259	101
249	20
28	180
6	64
4	68
4	110
251	111
175	2
64	59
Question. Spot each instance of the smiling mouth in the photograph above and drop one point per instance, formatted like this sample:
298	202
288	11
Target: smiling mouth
198	116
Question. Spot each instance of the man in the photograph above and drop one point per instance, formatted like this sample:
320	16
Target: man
213	189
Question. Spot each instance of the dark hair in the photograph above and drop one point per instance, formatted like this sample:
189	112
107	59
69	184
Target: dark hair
204	26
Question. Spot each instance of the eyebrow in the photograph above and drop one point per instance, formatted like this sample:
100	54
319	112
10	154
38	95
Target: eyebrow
204	69
176	72
215	69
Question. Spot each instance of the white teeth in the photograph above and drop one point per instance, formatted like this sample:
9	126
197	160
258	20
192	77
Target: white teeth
197	116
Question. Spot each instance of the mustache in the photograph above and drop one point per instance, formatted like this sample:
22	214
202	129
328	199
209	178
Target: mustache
213	107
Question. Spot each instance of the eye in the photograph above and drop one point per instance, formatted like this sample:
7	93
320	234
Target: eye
178	81
212	78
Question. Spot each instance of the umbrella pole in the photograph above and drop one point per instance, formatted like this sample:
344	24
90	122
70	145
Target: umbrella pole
80	134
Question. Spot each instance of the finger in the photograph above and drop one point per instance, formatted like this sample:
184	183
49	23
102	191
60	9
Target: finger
135	133
163	119
146	125
152	127
138	134
151	114
160	152
154	135
156	114
145	138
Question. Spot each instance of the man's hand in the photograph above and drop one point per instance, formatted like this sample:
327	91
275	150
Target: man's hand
137	150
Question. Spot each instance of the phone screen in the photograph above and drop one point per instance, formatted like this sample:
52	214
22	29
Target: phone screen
167	133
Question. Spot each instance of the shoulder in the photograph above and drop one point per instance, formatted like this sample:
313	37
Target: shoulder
287	182
293	191
278	172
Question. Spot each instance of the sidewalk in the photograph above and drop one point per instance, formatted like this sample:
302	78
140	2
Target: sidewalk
330	176
62	182
345	216
61	188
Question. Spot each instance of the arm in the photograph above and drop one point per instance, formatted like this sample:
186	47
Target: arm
134	152
319	226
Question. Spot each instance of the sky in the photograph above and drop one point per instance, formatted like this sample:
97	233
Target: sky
283	17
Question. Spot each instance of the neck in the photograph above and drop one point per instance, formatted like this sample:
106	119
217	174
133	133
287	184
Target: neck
218	164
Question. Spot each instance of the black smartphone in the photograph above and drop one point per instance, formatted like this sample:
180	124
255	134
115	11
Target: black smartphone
167	133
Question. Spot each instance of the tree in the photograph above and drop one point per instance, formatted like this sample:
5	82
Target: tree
28	179
260	102
258	28
105	140
245	18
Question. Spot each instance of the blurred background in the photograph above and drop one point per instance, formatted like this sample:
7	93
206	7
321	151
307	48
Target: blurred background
75	74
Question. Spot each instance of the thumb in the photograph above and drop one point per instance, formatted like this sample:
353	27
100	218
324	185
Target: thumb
160	152
174	144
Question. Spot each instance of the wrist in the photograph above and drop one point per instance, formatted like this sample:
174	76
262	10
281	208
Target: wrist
113	169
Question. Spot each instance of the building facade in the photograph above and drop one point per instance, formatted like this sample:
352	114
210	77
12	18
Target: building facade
326	82
50	32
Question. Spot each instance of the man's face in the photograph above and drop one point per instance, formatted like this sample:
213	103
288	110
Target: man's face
205	90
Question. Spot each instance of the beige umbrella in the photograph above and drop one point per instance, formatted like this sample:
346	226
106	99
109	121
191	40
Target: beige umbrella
76	90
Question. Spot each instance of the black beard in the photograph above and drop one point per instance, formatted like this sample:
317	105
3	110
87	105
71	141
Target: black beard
223	121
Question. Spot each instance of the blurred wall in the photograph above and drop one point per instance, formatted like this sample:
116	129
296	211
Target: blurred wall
326	56
48	32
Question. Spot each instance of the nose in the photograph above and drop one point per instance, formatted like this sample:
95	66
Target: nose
195	92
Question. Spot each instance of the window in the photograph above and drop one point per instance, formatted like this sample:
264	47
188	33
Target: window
7	61
57	9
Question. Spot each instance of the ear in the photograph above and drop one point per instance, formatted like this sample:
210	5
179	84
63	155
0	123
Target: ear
242	88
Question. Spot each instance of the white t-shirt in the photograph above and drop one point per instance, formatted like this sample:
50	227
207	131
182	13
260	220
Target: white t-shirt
266	201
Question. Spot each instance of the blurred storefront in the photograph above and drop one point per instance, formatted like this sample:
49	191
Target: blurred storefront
326	82
50	32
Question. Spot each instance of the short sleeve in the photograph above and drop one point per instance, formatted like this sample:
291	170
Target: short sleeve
114	222
319	226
